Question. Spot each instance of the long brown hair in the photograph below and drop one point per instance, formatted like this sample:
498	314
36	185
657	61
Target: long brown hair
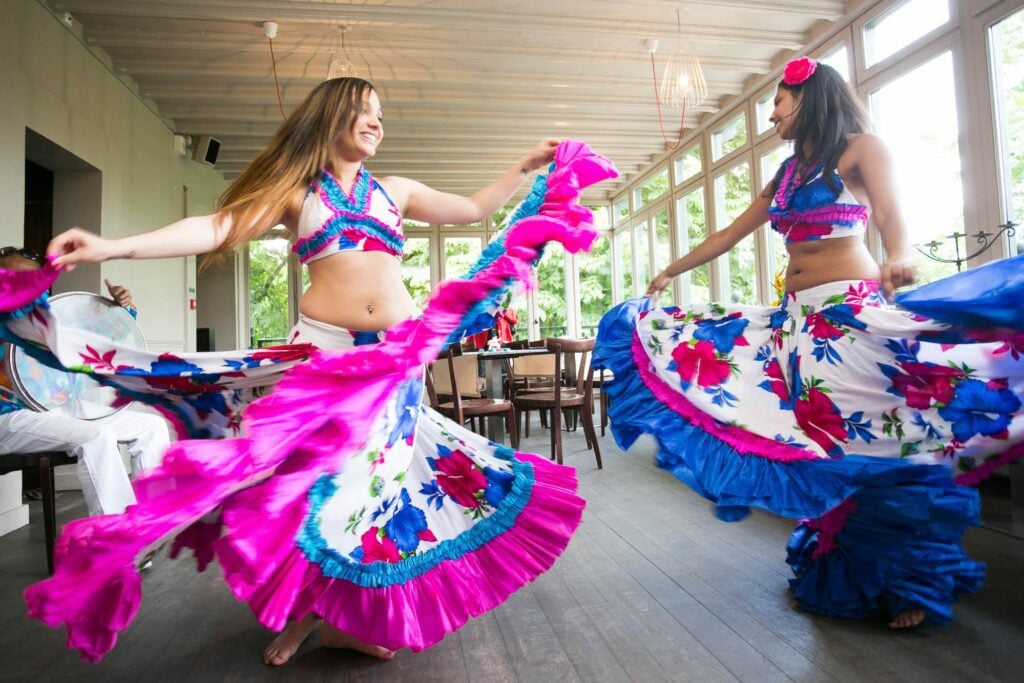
260	197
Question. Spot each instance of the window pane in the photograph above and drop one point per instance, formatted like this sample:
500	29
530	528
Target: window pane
601	217
652	189
732	197
890	32
729	137
460	253
595	284
642	254
916	114
691	231
762	111
620	210
268	291
550	294
416	269
687	164
521	306
838	58
777	257
1007	48
624	263
499	216
662	250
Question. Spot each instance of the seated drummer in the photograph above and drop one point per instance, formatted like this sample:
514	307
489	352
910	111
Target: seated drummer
100	470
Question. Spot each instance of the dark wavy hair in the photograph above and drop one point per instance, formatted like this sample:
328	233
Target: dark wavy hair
828	113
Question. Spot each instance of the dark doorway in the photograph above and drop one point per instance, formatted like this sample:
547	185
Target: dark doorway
38	206
62	190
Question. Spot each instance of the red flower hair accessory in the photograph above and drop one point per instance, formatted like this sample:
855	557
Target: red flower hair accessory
797	71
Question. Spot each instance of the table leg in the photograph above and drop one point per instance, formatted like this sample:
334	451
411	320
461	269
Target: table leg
495	423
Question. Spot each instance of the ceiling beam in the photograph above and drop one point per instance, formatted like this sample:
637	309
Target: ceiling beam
121	40
254	12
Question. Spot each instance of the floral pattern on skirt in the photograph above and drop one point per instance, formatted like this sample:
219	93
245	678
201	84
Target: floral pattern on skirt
835	371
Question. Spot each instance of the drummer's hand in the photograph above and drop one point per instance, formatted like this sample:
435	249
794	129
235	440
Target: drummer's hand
658	285
897	272
79	246
122	295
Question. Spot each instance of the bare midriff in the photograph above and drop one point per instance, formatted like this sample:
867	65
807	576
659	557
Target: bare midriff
830	260
357	290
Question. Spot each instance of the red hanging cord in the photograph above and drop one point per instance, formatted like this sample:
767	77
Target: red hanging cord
661	123
277	86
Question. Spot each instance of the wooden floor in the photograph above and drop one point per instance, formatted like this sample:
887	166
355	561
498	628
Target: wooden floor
651	588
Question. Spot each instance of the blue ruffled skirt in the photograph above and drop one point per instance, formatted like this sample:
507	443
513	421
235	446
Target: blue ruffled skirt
863	421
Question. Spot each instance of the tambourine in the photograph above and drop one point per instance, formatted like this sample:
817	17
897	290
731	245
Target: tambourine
73	393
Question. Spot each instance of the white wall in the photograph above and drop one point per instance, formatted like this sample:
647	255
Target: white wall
56	86
51	83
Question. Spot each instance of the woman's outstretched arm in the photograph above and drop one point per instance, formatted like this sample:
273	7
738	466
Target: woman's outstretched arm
189	236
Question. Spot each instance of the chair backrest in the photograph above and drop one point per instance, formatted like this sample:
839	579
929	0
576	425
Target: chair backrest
456	376
584	371
540	365
428	382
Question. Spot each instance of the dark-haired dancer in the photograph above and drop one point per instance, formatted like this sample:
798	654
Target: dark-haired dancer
833	406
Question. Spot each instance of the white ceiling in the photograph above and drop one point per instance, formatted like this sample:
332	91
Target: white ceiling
467	85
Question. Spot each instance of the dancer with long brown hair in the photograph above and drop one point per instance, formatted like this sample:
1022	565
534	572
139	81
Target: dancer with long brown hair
345	500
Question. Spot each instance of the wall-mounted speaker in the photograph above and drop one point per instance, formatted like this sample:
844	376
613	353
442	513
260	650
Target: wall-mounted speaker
205	149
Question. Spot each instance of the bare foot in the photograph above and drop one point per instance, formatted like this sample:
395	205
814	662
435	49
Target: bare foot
332	637
907	619
289	640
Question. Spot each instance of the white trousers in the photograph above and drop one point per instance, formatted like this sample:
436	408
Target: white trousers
101	471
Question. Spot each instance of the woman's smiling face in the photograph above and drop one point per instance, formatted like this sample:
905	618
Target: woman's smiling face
784	116
367	129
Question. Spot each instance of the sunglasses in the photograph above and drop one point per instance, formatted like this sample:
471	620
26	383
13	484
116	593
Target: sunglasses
25	253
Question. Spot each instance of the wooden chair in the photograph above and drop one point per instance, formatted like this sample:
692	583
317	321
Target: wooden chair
45	462
578	399
462	371
519	379
531	374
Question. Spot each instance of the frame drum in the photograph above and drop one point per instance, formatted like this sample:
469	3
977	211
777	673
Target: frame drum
74	393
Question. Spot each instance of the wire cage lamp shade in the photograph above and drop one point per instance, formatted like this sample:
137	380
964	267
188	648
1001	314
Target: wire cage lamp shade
340	67
683	84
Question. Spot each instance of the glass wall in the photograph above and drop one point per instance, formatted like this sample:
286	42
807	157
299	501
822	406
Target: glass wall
460	253
901	25
550	308
906	61
595	284
269	291
416	269
732	197
916	115
956	147
1006	53
624	265
691	230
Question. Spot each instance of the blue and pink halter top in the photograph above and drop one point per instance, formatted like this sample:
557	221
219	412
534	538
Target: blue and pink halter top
331	221
803	211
